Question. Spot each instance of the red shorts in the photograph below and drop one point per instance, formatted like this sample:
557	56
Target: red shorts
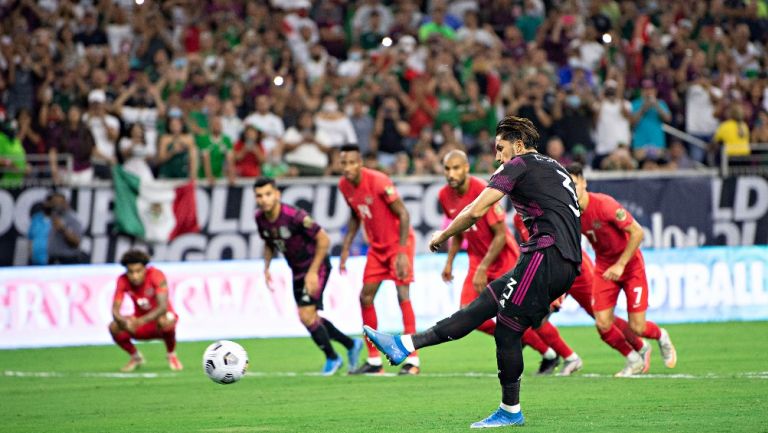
380	265
633	282
468	292
581	290
151	330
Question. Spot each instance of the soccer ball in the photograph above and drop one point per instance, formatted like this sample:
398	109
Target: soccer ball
225	362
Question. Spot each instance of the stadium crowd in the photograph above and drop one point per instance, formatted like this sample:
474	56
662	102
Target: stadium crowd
226	88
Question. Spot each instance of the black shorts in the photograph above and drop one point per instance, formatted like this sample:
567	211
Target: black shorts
300	292
525	293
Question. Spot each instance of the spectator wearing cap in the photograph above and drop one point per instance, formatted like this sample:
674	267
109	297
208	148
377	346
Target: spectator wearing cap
612	123
105	129
648	116
177	156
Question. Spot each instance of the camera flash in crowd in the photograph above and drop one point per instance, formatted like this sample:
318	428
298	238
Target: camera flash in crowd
386	42
607	38
278	80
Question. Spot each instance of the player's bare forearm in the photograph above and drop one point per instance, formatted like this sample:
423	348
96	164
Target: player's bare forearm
116	312
497	244
454	248
323	241
268	254
398	208
635	239
473	212
352	229
155	313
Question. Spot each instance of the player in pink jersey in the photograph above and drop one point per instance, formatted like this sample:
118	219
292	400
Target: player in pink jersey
375	204
492	251
619	265
153	315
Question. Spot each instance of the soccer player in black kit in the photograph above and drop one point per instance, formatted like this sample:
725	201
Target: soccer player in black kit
542	191
304	244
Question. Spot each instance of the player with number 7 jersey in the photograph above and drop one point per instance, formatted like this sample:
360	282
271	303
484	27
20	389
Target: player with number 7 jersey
619	265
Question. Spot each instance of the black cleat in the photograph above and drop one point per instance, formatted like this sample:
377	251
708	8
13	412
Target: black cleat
548	366
409	369
368	369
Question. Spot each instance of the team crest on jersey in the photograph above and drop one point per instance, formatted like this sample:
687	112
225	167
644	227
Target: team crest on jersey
265	233
368	200
284	232
596	225
307	222
621	214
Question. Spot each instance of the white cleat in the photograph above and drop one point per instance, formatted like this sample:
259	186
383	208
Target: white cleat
645	353
668	352
570	367
634	366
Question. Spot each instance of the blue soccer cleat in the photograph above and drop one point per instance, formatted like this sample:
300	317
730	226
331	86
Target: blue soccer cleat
332	366
354	353
500	418
389	344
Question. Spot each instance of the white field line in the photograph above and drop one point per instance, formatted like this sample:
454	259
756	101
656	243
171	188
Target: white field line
269	374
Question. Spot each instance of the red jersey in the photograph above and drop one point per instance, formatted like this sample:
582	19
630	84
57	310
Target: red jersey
370	201
480	235
144	297
603	222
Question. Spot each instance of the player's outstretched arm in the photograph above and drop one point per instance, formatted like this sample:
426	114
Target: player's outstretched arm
268	254
467	217
311	281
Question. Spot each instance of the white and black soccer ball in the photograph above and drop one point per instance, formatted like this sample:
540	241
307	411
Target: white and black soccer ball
225	362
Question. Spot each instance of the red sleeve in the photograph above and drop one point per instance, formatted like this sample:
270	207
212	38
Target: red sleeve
120	289
158	282
495	215
441	200
386	189
520	227
613	212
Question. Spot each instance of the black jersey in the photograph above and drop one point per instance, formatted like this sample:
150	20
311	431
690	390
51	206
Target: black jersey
544	194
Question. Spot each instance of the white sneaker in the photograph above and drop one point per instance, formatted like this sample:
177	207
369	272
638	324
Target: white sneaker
668	352
645	353
570	367
634	365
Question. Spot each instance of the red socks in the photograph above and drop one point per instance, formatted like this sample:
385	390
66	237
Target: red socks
632	338
123	339
489	327
614	338
552	338
652	331
409	319
370	319
169	336
532	339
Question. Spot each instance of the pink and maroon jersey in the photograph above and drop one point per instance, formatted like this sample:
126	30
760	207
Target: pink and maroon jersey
480	235
293	234
144	297
370	201
603	223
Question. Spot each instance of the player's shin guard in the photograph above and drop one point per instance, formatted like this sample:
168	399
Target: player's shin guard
460	323
509	358
320	337
532	339
632	338
370	319
652	331
337	335
614	338
552	337
123	339
169	337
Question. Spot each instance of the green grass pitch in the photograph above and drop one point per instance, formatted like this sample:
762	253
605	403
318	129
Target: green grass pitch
720	384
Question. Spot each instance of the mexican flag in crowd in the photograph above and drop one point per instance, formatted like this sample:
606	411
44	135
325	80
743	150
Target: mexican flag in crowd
155	211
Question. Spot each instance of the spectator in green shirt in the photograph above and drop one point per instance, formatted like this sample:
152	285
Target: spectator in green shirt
371	36
13	158
448	96
437	26
477	115
215	153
